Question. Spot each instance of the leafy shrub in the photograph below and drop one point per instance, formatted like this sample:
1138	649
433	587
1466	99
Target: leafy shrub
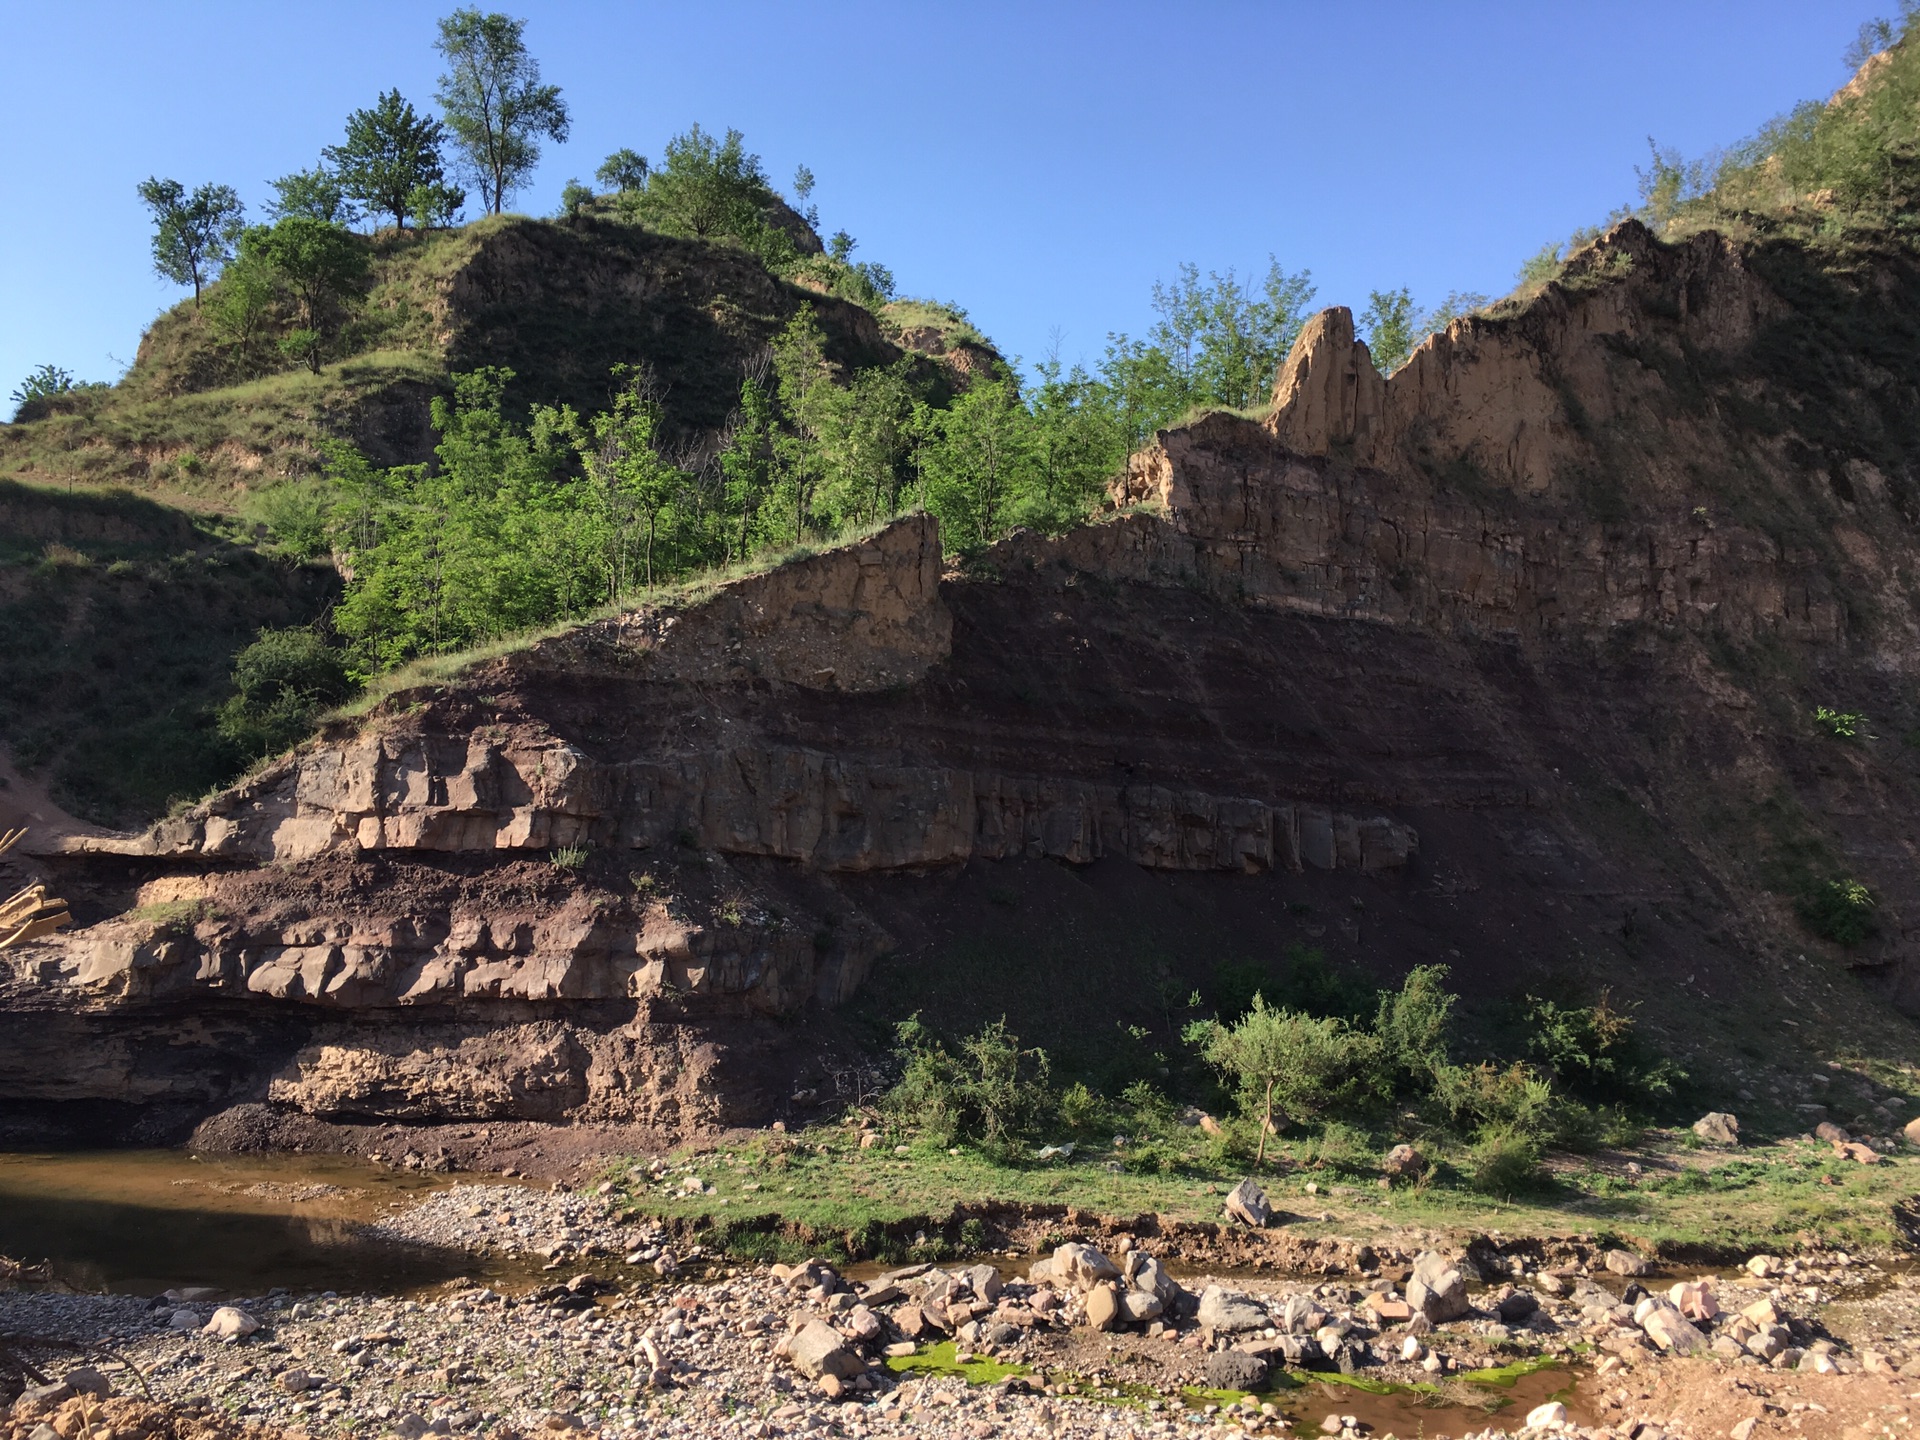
1841	724
281	684
568	857
1841	911
1486	1097
993	1094
1413	1024
296	517
34	396
1593	1052
1506	1163
1294	1064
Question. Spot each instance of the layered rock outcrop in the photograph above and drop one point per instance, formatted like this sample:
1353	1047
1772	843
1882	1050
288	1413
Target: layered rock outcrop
1498	663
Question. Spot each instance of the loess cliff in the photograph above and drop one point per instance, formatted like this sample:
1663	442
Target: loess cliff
1508	662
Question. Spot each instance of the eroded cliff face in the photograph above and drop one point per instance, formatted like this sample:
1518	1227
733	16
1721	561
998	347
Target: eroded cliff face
1505	662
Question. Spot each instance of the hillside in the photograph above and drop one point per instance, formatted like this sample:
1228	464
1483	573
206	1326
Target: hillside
133	569
1509	663
202	420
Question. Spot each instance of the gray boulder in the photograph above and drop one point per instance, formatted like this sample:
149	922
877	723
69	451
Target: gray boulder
1718	1128
1230	1311
1248	1204
1437	1289
818	1350
1236	1370
1081	1266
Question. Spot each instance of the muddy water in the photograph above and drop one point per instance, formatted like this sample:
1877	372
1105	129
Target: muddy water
143	1221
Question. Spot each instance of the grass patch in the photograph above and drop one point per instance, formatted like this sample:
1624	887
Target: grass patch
822	1186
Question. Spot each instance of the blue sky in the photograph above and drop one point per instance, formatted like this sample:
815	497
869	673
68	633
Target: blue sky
1042	163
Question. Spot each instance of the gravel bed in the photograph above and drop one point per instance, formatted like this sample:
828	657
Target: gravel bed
645	1347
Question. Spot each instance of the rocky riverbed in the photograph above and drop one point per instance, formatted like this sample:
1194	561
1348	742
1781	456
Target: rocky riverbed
635	1333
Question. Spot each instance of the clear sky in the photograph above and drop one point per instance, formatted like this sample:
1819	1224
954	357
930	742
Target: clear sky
1040	163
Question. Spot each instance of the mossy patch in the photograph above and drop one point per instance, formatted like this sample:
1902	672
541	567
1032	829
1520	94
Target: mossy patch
944	1359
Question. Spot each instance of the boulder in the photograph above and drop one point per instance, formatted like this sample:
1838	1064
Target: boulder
1831	1133
1695	1299
88	1381
1668	1328
1082	1266
1248	1204
817	1350
1544	1417
1139	1306
1912	1131
1236	1370
1717	1127
984	1281
1389	1309
1403	1162
1300	1315
1437	1289
1763	1267
1103	1306
1518	1306
1147	1274
230	1322
47	1395
1625	1262
1230	1311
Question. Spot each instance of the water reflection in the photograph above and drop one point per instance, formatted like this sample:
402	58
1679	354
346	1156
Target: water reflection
139	1222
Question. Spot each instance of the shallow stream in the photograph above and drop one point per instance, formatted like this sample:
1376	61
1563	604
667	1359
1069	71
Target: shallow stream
143	1221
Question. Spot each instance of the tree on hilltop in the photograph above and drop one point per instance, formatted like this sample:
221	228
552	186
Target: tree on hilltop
322	266
624	171
193	233
494	102
389	151
316	194
706	187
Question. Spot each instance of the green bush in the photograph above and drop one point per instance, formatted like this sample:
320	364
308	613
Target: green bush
282	682
1841	724
1505	1163
992	1095
1283	1062
1841	910
1414	1023
1594	1053
1514	1099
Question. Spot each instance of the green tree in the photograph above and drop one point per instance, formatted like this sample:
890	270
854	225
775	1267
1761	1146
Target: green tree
434	206
624	172
634	485
977	462
314	194
390	150
494	102
193	234
1285	1062
748	465
487	542
32	396
1077	445
322	266
574	197
242	302
707	188
1389	327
